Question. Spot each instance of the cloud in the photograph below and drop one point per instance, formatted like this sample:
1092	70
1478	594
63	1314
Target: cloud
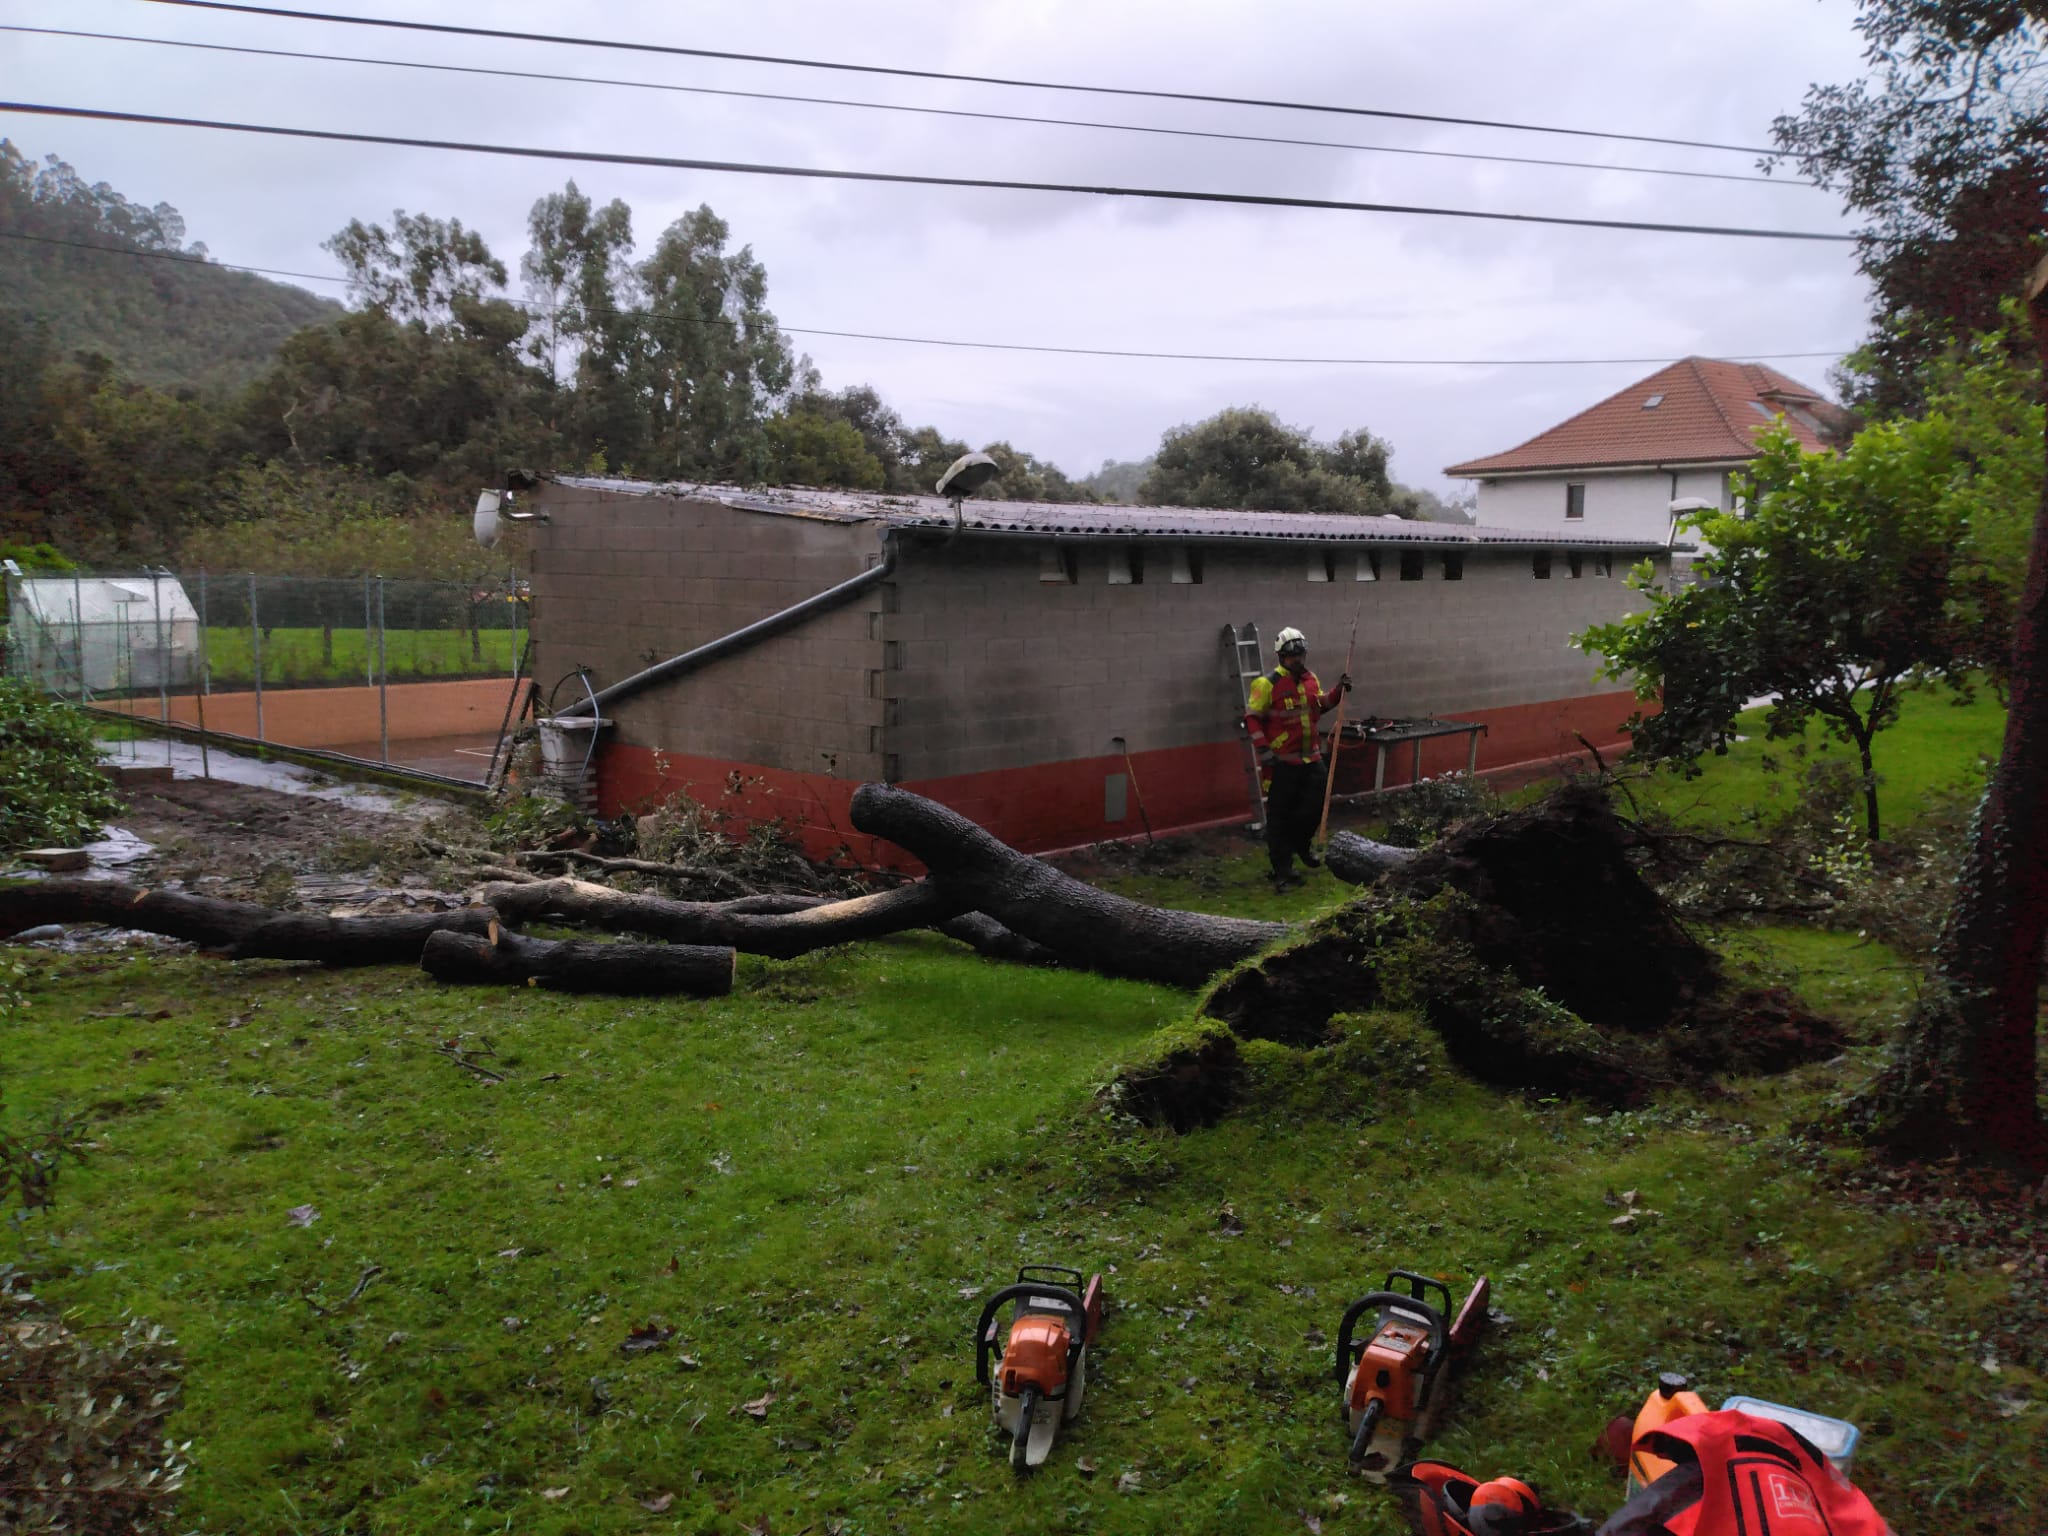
1076	271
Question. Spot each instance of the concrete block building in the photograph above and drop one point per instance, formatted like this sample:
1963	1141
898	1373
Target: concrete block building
1056	673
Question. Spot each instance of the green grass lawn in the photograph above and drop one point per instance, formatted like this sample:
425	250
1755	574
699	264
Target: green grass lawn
299	657
1938	743
813	1182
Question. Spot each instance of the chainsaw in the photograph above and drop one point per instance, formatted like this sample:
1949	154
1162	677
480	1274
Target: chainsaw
1395	1380
1044	1369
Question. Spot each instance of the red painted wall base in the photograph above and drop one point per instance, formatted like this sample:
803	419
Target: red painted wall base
1061	805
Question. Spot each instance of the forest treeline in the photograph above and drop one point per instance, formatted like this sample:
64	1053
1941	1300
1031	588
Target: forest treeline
157	406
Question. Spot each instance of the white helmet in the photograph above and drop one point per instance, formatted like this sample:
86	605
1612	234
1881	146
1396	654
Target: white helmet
1290	642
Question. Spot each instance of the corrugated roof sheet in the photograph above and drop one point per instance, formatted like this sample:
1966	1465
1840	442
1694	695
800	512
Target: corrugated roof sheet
1707	411
1064	520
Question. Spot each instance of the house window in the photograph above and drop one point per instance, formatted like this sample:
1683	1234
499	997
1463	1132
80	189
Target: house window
1454	565
1653	402
1575	563
1540	565
1411	565
1187	566
1322	565
1127	566
1603	565
1369	565
1574	503
1058	565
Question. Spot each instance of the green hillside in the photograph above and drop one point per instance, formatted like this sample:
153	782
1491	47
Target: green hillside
165	316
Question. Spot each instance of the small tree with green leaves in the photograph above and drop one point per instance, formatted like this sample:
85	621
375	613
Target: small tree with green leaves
1844	578
51	788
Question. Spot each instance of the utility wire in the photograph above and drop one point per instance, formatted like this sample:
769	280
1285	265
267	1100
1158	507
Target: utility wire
538	307
934	74
885	106
744	168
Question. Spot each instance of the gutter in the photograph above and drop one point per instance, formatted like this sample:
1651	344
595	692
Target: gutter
744	637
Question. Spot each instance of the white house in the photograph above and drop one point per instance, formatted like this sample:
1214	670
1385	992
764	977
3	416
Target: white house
1677	436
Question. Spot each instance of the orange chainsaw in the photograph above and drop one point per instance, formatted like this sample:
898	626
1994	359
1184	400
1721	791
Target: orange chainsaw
1395	1380
1044	1369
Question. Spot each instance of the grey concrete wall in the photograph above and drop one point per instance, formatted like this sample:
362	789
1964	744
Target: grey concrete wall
987	666
621	581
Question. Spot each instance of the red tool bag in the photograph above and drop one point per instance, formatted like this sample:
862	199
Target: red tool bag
1738	1475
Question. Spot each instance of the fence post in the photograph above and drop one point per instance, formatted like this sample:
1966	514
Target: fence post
163	668
383	681
205	681
369	660
256	653
78	630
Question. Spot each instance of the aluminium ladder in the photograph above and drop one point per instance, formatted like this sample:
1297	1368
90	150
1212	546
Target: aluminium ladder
1246	656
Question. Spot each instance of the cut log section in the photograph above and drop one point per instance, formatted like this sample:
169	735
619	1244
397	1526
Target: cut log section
237	930
1083	926
1359	860
502	958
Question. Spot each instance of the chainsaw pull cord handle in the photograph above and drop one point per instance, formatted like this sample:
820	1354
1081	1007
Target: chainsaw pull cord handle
984	1343
1396	1301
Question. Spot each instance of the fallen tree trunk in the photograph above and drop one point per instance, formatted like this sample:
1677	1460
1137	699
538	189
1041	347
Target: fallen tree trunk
801	924
501	957
236	930
1080	924
779	926
1359	860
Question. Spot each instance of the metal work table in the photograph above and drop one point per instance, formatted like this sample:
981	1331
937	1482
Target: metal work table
1390	733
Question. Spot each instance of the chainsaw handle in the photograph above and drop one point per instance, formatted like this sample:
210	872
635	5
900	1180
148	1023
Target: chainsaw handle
984	1342
1397	1301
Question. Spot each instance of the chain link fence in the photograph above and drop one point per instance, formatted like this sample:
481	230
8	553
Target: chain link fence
361	666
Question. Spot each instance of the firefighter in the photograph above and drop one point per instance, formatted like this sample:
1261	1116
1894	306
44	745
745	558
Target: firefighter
1285	705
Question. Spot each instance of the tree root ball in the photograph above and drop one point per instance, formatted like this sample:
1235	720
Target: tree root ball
1531	944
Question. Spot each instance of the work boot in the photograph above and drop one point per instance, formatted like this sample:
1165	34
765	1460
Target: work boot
1286	880
1311	858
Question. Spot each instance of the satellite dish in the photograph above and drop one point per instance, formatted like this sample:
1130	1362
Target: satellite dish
966	475
485	522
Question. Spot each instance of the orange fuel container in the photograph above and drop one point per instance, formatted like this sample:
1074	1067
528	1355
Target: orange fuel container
1671	1400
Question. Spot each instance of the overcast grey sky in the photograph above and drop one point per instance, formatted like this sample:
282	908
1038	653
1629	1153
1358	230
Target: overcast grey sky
1063	270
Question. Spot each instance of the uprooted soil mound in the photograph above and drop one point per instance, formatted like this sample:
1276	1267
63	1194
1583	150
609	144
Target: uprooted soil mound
1546	962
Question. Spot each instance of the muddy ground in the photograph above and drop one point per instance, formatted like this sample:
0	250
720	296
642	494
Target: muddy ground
252	843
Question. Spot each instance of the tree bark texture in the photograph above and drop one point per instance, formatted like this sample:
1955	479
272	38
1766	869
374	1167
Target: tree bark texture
237	930
1084	926
1967	1073
502	958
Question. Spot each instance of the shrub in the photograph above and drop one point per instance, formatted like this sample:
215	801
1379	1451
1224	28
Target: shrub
81	1422
51	787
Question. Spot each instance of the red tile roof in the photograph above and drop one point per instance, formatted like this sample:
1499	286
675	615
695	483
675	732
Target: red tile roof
1710	412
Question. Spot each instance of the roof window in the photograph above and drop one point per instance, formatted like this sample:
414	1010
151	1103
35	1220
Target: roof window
1762	410
1653	402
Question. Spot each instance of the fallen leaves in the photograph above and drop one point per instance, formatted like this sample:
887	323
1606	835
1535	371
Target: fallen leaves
554	1495
645	1339
757	1409
659	1504
302	1215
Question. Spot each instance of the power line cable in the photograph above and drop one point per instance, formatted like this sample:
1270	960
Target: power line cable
899	178
885	106
987	346
623	45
